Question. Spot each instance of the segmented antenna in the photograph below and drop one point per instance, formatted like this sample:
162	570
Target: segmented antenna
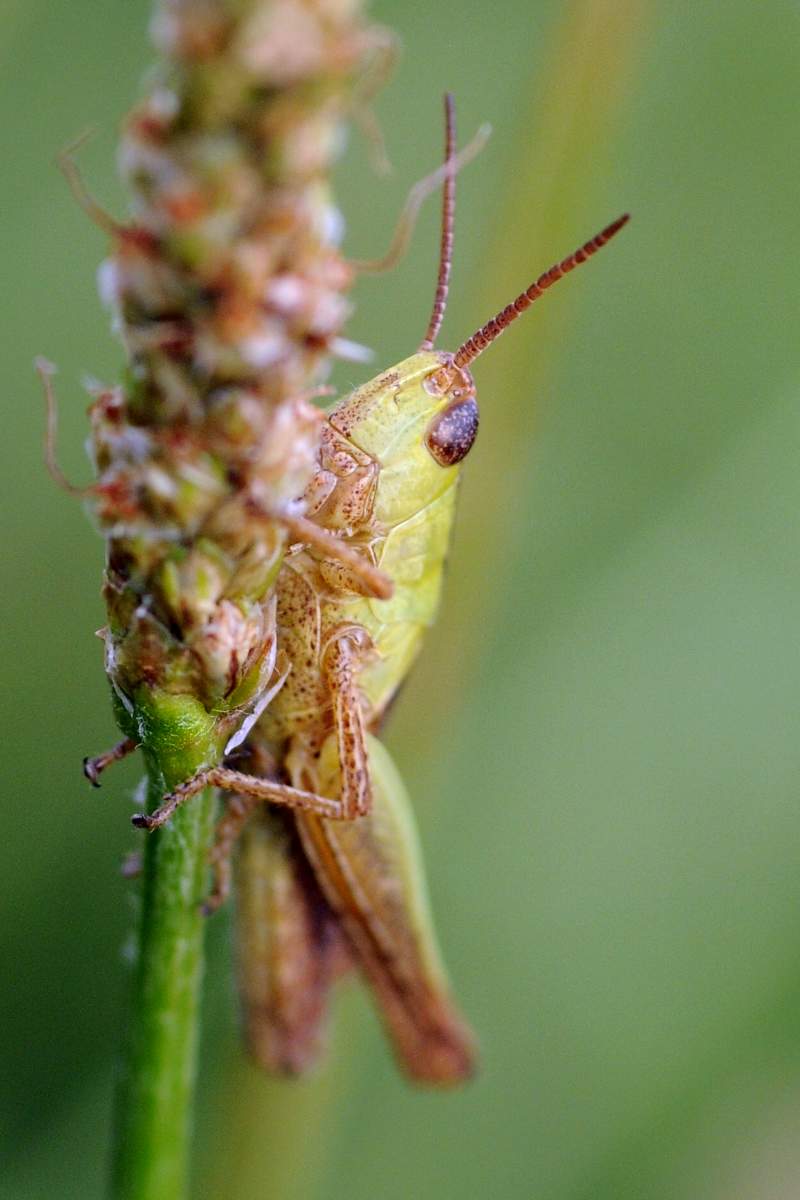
475	345
448	220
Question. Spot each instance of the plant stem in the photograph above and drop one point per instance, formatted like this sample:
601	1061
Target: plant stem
227	285
154	1106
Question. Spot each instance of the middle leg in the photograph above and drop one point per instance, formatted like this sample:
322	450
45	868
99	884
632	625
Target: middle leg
339	663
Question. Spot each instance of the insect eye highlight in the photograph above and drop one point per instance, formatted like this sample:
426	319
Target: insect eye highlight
450	435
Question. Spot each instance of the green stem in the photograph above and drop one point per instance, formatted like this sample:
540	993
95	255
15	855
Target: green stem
155	1099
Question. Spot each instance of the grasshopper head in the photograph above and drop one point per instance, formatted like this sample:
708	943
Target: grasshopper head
418	421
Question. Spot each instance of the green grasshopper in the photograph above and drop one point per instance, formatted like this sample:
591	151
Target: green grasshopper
381	504
385	486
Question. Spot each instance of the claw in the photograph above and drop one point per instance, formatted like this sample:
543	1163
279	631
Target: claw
93	767
91	772
148	821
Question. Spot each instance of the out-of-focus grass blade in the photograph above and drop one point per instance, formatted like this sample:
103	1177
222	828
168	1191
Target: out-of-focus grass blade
554	195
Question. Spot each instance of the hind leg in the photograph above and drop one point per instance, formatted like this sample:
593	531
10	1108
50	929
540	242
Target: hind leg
239	784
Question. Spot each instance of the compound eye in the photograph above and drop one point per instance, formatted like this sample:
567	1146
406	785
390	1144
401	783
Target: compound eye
450	435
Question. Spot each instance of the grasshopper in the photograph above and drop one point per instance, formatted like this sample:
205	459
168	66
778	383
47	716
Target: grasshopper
380	504
385	486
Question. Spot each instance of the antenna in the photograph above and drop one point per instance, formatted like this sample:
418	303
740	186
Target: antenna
476	344
448	219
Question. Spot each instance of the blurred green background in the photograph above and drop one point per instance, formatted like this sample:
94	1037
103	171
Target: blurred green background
602	738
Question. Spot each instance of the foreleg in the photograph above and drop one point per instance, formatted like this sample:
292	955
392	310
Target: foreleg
93	767
376	582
